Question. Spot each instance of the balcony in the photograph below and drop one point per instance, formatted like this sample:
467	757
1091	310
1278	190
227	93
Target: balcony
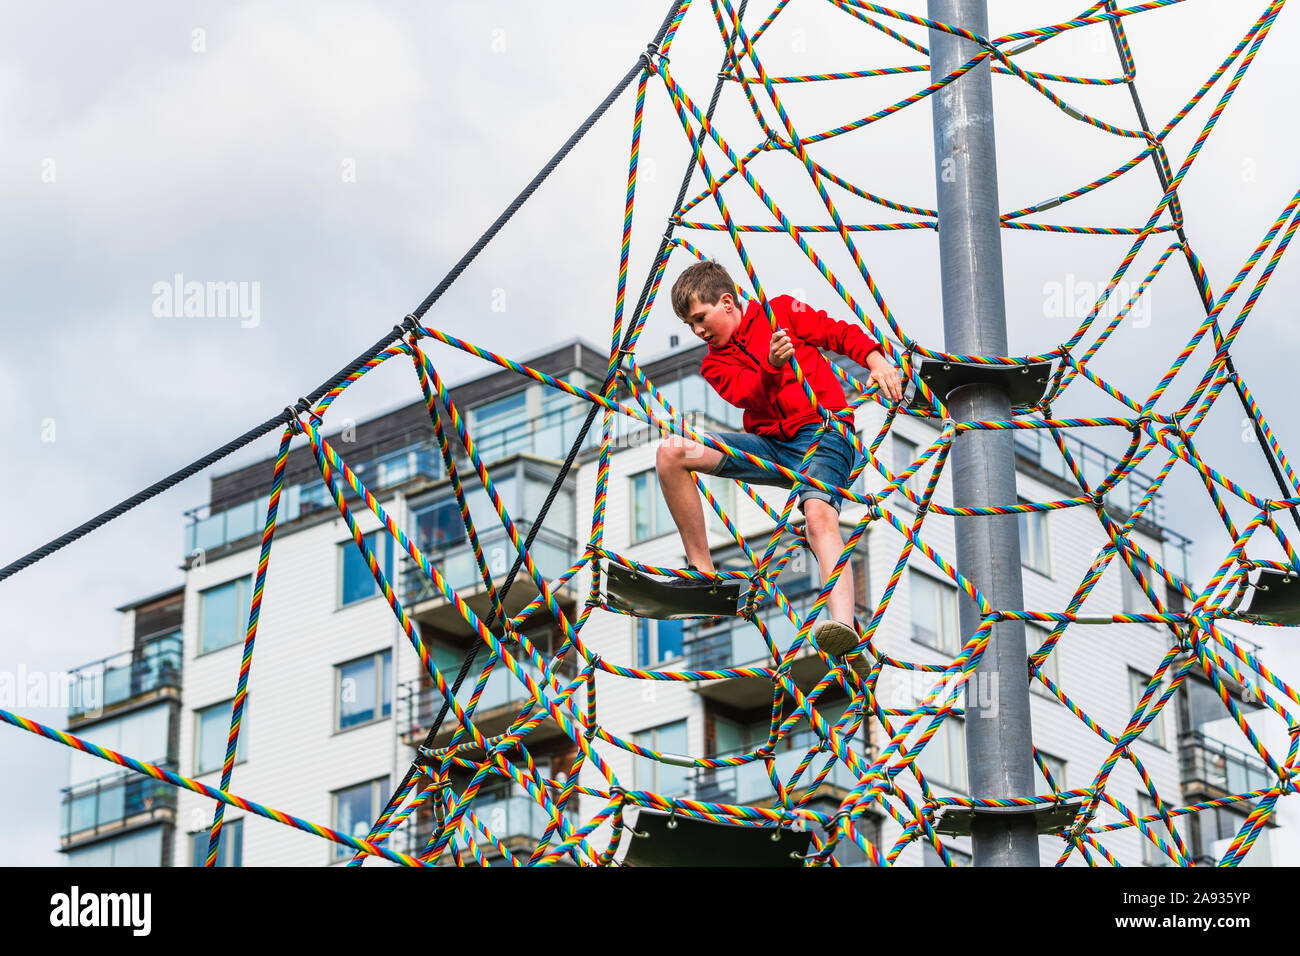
1213	768
148	673
737	643
115	803
518	821
503	697
553	553
1035	446
749	783
208	530
547	436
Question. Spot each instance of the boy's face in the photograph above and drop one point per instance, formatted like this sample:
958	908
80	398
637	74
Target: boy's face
715	323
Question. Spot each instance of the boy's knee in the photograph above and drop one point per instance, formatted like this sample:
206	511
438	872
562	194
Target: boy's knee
820	516
669	454
676	452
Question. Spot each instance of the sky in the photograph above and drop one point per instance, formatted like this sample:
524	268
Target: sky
334	160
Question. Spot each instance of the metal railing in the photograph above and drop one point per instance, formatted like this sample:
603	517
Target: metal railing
549	435
749	783
1210	763
106	803
1037	447
207	530
153	666
553	553
737	642
513	817
417	706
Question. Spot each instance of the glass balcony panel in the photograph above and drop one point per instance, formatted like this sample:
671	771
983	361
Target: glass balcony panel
111	805
241	520
518	815
117	684
210	532
81	813
747	645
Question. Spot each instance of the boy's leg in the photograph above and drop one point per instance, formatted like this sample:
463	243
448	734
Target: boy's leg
675	461
826	542
832	465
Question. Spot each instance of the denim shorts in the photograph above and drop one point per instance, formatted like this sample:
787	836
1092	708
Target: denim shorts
831	464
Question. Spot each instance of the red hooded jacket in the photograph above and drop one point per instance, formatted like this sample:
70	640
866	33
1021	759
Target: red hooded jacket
773	401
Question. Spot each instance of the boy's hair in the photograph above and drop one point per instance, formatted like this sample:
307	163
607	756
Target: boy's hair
706	281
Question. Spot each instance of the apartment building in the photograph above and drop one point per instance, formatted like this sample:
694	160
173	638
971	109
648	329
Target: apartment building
338	704
129	702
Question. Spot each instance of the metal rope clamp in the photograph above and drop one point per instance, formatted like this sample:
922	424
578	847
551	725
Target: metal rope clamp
622	799
651	51
304	406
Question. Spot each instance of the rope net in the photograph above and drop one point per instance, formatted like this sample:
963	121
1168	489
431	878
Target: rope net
827	723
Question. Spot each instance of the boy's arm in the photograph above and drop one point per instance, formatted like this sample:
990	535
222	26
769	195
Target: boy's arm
817	328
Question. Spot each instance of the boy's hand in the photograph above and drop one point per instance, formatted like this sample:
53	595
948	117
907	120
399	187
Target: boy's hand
779	352
884	374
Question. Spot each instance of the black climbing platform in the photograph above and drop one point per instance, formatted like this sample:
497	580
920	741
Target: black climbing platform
1050	818
1024	384
1275	597
644	596
661	839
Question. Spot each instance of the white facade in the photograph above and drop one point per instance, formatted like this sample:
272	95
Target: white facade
294	759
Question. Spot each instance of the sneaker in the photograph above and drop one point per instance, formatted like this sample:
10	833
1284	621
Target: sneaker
835	639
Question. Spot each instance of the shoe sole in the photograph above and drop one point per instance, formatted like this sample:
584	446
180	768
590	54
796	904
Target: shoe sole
835	639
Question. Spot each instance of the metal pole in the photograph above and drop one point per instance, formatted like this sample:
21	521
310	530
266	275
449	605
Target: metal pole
998	739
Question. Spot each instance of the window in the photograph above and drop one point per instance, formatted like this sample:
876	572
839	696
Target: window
1056	767
223	614
440	525
362	691
943	761
1155	731
650	774
355	811
650	515
724	493
1134	598
1033	541
501	426
139	848
211	734
731	737
230	851
501	413
141	733
1152	855
356	582
934	613
1051	668
932	857
904	453
692	394
657	641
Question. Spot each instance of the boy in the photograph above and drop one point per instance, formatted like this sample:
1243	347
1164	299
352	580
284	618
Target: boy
749	366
